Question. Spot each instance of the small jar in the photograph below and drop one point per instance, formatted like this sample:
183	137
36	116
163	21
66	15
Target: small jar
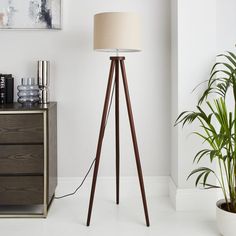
28	91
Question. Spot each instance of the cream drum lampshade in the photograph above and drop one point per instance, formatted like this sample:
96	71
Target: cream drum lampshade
117	31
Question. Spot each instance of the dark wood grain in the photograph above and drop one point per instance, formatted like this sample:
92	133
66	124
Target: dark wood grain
21	190
117	131
22	154
21	128
21	159
100	140
135	143
52	151
117	61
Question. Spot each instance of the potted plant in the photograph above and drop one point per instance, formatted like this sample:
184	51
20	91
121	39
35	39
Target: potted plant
217	128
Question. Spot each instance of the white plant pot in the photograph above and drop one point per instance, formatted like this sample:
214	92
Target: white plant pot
226	221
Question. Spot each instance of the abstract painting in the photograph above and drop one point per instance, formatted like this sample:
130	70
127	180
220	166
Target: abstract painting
30	14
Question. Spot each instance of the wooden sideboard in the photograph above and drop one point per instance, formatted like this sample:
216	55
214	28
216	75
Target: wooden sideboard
28	159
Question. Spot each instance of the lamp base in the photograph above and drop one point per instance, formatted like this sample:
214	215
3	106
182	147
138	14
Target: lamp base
116	64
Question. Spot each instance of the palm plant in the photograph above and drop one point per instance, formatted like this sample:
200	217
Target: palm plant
217	129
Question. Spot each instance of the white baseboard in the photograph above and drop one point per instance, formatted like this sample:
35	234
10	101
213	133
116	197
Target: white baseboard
106	186
191	199
182	199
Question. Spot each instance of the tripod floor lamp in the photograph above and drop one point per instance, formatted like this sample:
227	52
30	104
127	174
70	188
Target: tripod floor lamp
117	32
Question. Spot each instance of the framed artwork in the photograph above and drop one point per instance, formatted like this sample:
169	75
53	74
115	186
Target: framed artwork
30	14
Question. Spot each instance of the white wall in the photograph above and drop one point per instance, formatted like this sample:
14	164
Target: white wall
194	50
193	43
200	30
196	40
226	31
78	83
197	50
174	91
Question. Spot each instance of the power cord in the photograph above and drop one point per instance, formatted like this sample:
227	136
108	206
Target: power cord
91	165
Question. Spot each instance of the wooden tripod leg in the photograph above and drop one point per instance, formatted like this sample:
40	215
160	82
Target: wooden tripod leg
135	144
117	133
100	139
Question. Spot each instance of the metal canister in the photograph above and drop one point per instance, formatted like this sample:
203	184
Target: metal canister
43	75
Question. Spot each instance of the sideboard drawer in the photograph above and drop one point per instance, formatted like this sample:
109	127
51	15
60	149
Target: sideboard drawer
28	159
21	128
21	159
21	190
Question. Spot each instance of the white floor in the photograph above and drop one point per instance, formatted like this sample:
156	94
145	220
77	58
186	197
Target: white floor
67	217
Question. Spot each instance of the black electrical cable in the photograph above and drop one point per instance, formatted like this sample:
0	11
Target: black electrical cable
91	165
73	193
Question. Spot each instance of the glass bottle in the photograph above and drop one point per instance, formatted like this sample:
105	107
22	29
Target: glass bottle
28	91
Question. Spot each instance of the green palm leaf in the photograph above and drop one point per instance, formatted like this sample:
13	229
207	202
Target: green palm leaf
217	129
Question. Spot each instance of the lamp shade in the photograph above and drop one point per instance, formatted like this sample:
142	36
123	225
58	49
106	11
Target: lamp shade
117	31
